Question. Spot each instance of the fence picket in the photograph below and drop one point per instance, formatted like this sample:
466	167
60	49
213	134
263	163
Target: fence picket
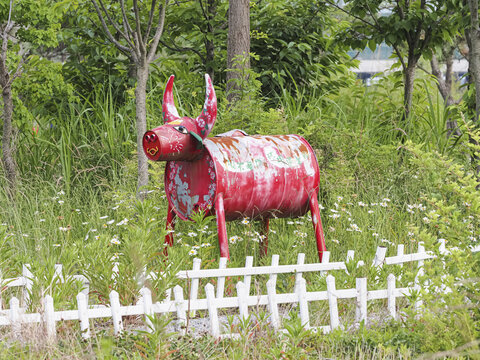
222	264
194	284
82	304
420	273
299	275
391	296
247	279
28	281
332	302
146	295
274	264
49	317
361	309
325	260
301	286
379	256
14	315
242	300
180	307
350	255
212	311
272	303
116	314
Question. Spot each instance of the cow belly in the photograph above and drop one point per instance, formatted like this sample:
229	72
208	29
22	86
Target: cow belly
269	176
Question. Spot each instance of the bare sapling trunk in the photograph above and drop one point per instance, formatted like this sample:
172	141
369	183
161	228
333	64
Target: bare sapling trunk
7	145
445	88
141	126
238	46
474	53
6	78
140	45
408	94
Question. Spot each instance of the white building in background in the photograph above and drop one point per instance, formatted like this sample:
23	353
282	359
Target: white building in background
379	61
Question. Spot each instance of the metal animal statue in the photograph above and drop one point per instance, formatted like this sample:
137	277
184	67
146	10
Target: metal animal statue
232	175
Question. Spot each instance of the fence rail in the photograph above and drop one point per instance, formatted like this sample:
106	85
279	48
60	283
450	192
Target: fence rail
183	307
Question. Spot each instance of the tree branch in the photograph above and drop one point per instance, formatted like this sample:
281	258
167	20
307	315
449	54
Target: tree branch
474	14
150	21
352	15
138	30
183	49
441	84
400	57
119	46
126	24
158	32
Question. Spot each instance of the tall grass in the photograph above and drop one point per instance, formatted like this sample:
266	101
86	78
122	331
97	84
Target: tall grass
76	206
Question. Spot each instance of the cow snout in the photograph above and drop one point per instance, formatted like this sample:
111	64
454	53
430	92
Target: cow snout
152	146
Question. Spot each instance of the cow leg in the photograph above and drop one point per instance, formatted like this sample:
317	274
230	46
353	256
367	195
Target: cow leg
265	223
317	225
221	227
170	227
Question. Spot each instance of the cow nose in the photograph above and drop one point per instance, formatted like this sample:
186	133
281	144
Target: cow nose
151	145
151	138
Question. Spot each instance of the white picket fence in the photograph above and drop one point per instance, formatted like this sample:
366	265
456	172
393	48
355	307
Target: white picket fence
181	307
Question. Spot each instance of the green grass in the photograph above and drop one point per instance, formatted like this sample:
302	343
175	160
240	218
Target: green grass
76	205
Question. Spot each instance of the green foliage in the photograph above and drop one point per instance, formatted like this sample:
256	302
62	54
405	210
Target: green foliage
293	42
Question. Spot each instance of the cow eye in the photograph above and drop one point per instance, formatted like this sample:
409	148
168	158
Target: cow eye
181	129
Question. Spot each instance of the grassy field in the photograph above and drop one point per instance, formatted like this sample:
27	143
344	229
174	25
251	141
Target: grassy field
76	205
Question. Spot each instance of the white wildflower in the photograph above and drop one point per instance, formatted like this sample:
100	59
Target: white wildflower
115	240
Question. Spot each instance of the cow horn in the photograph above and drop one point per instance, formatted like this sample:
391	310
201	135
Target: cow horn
169	110
207	118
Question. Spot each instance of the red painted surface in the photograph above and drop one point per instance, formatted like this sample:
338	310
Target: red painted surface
233	175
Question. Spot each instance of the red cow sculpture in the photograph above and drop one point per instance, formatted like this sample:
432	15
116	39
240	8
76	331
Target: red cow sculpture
232	175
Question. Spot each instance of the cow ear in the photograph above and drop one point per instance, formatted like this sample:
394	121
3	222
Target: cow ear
207	118
169	110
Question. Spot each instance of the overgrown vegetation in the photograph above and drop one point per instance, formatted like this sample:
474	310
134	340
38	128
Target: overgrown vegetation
75	201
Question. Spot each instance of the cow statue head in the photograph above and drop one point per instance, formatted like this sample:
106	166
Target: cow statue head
181	138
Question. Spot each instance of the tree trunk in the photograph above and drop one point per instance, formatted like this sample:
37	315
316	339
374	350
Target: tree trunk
408	93
474	53
209	42
7	146
445	87
141	125
238	47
